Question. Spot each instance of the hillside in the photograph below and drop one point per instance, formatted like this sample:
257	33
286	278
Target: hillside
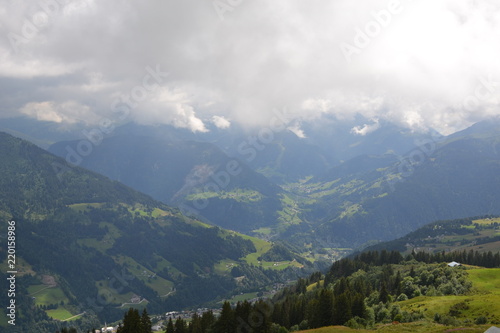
354	203
381	291
460	311
90	245
359	189
195	176
476	234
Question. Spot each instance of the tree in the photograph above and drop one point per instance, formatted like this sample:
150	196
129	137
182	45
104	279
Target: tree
134	323
195	325
384	294
226	322
131	322
325	308
342	309
180	326
146	322
207	320
170	326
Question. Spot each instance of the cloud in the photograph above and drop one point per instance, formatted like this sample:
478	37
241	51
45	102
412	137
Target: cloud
366	128
68	112
221	122
295	129
423	66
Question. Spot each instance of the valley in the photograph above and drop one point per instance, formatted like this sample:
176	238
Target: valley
203	233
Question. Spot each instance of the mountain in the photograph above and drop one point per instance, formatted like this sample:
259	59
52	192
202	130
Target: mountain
41	133
479	234
439	179
195	176
90	246
312	147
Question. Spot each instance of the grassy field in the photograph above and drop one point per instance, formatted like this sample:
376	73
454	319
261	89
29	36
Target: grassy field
60	313
487	221
261	246
484	300
241	298
239	195
47	295
157	283
416	327
82	207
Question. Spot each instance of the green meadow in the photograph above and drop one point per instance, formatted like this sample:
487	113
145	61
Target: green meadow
483	300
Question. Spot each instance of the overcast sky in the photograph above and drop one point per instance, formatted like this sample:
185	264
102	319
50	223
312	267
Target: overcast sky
426	63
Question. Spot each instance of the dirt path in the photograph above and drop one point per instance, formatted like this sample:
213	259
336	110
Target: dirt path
81	314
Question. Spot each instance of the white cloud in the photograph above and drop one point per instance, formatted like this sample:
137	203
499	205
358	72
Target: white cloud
68	112
417	71
366	128
221	122
295	129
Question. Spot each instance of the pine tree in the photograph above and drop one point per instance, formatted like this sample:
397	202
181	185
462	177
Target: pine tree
342	309
170	326
226	321
195	325
384	294
207	320
131	322
146	322
180	326
325	308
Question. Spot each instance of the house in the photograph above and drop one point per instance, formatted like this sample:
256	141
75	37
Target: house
492	329
454	264
107	328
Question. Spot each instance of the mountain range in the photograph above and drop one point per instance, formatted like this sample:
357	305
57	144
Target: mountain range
89	245
349	191
220	216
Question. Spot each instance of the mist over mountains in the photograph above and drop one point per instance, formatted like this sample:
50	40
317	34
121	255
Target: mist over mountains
304	200
348	187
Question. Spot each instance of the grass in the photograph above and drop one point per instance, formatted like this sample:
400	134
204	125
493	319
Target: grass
138	306
22	267
261	246
239	195
241	298
487	221
263	231
484	300
157	283
107	293
47	296
224	267
82	207
290	212
415	327
61	313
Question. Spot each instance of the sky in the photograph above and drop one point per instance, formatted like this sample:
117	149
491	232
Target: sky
198	64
